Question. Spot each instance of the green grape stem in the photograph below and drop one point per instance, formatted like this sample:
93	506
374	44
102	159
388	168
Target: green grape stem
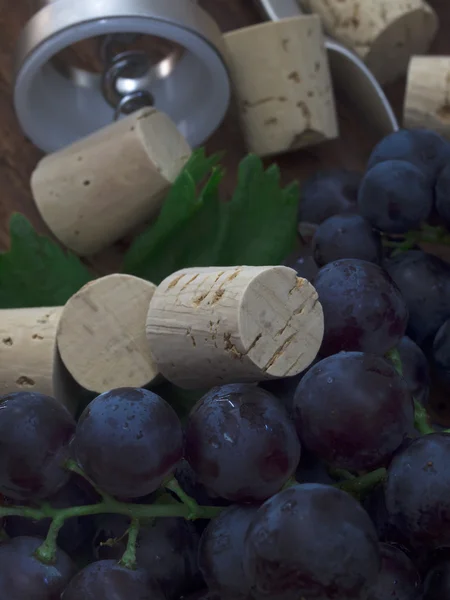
421	418
128	560
428	234
46	553
173	485
362	485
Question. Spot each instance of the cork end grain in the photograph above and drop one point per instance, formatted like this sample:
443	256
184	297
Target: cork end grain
101	334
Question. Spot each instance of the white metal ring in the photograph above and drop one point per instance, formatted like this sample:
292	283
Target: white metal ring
54	112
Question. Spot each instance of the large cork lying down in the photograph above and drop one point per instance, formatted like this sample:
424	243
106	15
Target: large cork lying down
210	326
101	334
29	361
383	33
427	97
100	188
282	83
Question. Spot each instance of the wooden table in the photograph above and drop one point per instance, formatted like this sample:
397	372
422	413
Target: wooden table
18	157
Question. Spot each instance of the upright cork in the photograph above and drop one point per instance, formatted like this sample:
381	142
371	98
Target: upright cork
29	361
101	334
98	189
383	33
211	326
427	97
282	83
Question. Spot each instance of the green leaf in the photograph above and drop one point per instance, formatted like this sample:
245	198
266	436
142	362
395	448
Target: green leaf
261	217
36	271
149	256
257	227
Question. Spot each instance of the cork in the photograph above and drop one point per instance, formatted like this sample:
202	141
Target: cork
101	334
97	190
29	361
282	83
427	97
383	33
211	326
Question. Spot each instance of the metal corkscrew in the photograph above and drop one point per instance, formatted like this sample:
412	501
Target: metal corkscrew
80	65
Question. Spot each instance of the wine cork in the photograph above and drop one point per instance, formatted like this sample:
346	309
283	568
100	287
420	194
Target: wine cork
211	326
29	361
383	33
101	334
103	186
427	97
282	83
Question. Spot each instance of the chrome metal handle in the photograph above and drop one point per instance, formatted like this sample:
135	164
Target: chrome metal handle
274	10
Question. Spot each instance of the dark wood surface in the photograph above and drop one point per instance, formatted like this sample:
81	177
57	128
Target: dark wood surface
18	157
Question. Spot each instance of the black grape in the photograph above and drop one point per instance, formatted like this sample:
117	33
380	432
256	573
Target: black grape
73	533
35	433
221	549
128	441
353	410
311	541
437	582
328	193
24	577
416	371
241	443
395	196
417	491
424	148
441	347
203	595
313	469
304	264
375	505
106	579
398	578
188	480
424	282
346	236
363	308
166	550
285	387
442	194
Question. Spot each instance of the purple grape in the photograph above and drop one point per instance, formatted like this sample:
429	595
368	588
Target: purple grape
375	505
441	347
416	490
241	443
416	371
363	308
35	433
128	441
311	541
328	193
313	469
221	550
423	148
346	236
166	550
395	196
442	193
304	264
424	282
189	482
398	578
24	577
437	581
353	410
73	533
107	580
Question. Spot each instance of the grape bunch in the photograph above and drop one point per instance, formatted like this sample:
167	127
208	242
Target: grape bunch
330	485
